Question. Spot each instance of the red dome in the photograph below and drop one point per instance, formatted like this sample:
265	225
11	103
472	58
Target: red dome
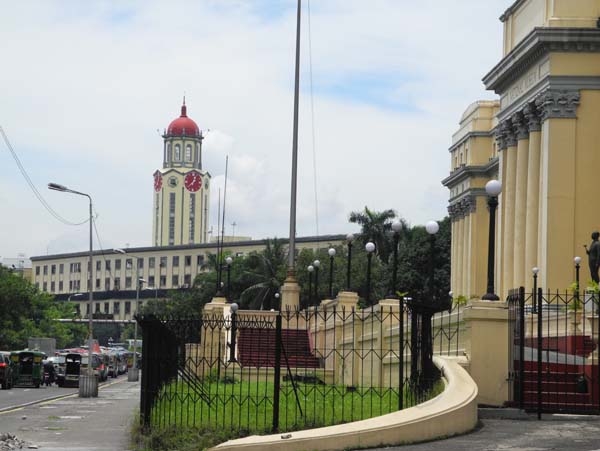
183	125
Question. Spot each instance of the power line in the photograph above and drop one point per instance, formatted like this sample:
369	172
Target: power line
32	186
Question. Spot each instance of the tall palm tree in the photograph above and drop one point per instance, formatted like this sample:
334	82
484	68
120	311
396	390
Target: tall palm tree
376	226
267	270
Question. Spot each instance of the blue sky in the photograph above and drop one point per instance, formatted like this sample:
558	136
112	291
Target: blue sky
86	85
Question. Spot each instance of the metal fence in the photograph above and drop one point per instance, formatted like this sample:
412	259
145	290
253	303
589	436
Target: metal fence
554	351
259	372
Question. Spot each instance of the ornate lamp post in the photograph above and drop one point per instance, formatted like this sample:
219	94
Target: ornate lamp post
369	247
493	189
349	239
331	253
316	265
88	386
577	261
432	227
535	271
396	227
228	261
133	373
310	269
232	341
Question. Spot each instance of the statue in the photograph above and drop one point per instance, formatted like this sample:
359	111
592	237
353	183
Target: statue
594	256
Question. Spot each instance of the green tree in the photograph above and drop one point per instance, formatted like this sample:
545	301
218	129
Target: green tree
26	312
376	226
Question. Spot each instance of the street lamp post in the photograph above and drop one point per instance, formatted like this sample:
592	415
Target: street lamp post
369	247
88	386
493	189
310	269
577	261
331	253
229	261
535	272
349	238
316	265
232	340
396	227
133	373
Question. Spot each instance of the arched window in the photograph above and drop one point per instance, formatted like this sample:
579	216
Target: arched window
177	152
188	152
168	155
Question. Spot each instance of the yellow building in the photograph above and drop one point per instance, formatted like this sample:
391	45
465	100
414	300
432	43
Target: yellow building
163	268
540	139
181	187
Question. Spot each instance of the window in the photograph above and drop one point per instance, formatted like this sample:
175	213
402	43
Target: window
175	261
127	282
140	263
106	307
97	310
116	308
45	270
52	287
53	269
200	260
37	285
188	260
163	281
61	268
171	218
151	281
98	283
117	283
127	307
177	153
151	261
168	156
192	218
188	152
175	281
118	264
37	270
98	265
107	284
107	264
45	286
163	262
187	280
87	309
129	263
60	286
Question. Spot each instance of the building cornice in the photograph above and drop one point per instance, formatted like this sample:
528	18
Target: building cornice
511	9
539	42
469	135
466	172
134	252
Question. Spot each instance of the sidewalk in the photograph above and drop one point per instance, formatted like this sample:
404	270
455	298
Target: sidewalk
78	424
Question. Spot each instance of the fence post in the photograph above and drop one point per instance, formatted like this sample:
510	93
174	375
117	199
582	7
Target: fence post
277	372
522	346
539	354
486	335
401	358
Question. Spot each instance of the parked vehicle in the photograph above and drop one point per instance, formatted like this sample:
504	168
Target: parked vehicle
113	364
69	368
5	370
27	368
97	366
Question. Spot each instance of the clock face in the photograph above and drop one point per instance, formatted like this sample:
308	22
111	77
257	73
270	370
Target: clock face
193	181
157	181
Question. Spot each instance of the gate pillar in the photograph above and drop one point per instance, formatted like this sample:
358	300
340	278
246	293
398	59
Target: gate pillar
487	349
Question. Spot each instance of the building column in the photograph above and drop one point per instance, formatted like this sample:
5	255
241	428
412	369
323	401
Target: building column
508	199
460	253
533	190
558	177
499	238
467	253
453	251
522	133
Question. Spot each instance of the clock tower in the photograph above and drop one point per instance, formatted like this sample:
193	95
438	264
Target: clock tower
181	187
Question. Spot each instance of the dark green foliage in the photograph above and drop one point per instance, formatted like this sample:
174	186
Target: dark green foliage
26	312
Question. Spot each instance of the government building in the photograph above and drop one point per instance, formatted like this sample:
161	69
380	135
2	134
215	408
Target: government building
180	247
540	139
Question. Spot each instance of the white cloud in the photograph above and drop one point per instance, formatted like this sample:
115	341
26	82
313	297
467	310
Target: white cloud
85	89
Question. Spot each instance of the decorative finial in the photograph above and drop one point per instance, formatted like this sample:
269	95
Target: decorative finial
183	107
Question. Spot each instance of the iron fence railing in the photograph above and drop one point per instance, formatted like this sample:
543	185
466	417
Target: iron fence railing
258	372
553	351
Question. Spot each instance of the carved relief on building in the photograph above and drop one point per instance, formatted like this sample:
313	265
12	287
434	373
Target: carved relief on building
532	115
520	125
462	207
558	104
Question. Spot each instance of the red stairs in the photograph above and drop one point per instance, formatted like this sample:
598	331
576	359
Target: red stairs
256	348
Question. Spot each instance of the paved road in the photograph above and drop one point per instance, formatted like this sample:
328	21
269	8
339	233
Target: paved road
556	432
78	424
17	396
